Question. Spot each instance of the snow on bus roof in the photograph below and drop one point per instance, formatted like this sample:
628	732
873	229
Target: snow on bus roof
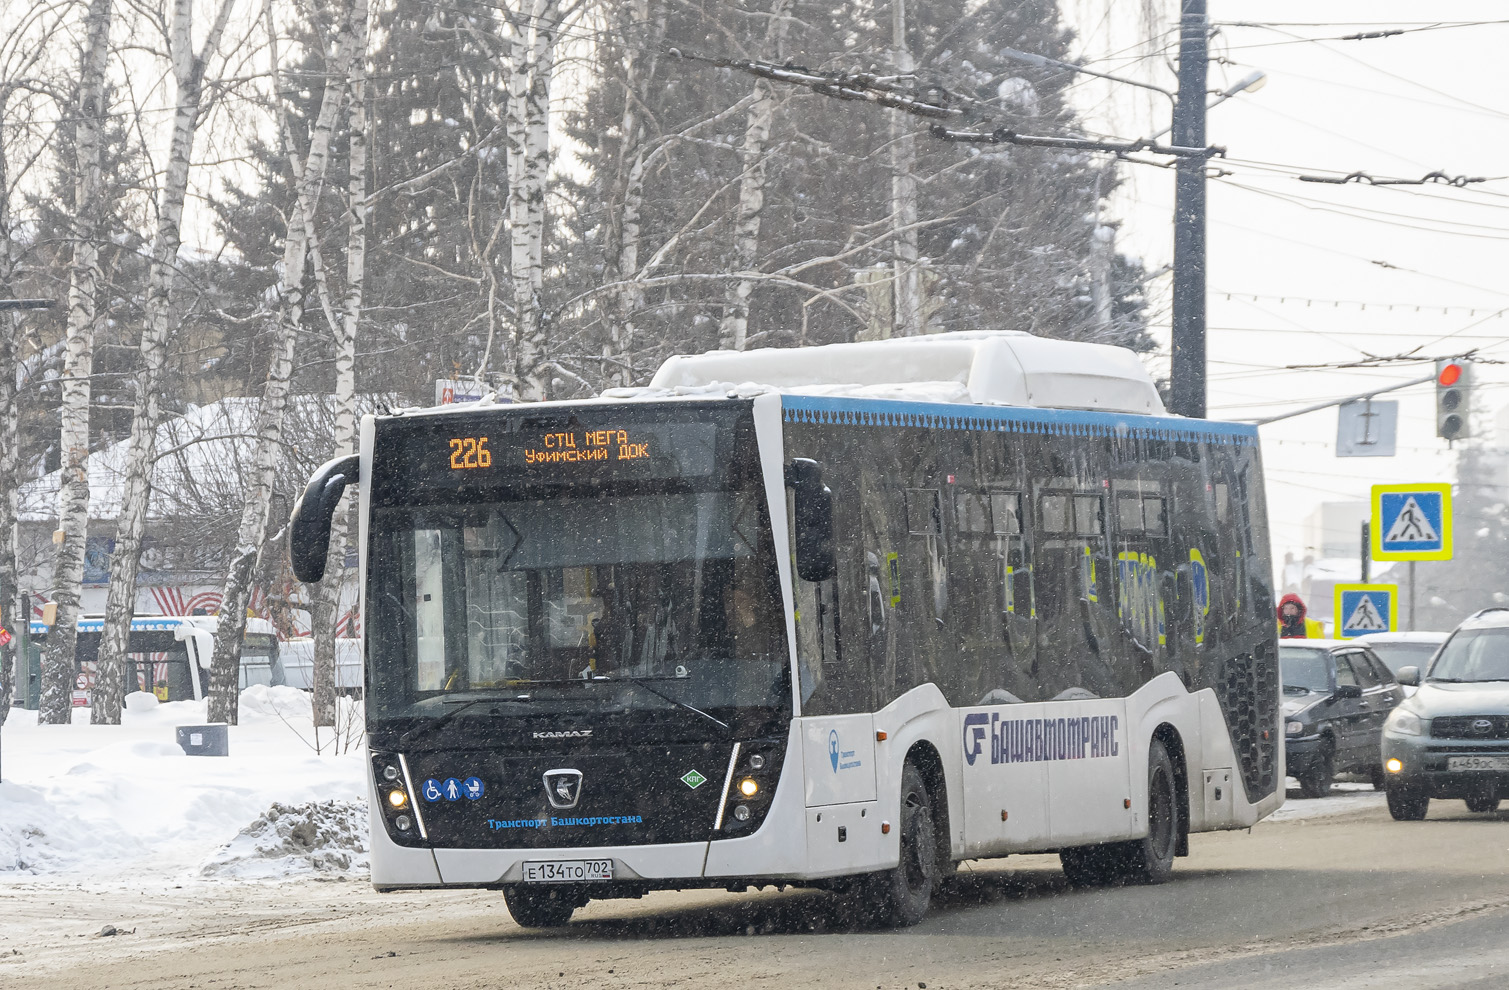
994	367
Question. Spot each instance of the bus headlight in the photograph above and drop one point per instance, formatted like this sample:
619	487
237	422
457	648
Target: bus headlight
1394	766
403	823
397	798
749	787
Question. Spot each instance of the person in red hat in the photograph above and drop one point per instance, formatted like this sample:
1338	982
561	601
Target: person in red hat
1292	623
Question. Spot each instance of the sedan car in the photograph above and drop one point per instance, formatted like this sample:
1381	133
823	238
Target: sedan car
1337	695
1451	739
1404	649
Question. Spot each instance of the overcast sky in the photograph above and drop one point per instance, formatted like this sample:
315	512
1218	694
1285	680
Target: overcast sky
1313	254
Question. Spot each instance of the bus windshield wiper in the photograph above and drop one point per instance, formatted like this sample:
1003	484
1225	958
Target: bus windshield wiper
444	720
678	703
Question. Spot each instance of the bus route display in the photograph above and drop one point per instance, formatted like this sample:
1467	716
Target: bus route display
468	453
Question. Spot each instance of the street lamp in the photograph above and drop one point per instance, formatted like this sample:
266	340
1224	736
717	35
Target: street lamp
1250	83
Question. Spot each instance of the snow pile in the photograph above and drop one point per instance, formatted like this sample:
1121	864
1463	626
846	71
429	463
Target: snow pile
141	701
115	801
286	840
36	838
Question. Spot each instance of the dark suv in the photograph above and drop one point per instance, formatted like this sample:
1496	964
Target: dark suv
1451	738
1337	695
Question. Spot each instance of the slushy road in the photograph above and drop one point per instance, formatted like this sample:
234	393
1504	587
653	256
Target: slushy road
1348	901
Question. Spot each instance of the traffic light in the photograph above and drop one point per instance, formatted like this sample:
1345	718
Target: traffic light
1453	391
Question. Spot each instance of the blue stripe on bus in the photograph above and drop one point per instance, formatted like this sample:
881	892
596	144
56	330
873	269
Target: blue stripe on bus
137	625
842	411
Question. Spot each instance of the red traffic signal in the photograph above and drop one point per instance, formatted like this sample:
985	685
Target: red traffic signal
1453	388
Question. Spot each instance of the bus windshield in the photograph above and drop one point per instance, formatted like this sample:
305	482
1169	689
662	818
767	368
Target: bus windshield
585	603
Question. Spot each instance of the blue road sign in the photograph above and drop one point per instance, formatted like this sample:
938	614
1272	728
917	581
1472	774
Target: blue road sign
472	786
451	789
1366	608
1412	522
431	790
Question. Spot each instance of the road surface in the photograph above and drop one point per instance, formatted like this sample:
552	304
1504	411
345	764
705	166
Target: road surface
1327	903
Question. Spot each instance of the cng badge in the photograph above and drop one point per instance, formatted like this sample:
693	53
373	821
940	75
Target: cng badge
693	779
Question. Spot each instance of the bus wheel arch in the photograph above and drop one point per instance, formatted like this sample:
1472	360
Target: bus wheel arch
1173	745
925	758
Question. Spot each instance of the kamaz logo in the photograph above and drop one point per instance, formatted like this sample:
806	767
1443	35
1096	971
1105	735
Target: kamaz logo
564	734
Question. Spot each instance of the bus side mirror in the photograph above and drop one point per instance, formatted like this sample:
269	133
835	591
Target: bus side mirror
814	520
1409	676
309	526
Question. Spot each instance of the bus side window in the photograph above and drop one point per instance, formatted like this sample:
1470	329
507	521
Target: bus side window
922	515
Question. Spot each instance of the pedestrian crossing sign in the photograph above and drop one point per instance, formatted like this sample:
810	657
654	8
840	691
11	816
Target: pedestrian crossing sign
1412	522
1366	608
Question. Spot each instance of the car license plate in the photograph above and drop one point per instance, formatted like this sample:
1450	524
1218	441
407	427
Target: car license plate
568	871
1477	763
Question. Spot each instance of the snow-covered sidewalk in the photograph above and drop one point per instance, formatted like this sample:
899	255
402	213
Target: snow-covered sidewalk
105	802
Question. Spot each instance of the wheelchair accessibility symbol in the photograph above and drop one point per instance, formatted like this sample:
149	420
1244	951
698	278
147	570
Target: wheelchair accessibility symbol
432	790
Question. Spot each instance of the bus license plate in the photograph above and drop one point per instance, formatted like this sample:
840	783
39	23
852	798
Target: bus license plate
1477	763
568	871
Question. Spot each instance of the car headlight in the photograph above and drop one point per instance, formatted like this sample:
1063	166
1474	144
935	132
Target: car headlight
1403	723
1294	728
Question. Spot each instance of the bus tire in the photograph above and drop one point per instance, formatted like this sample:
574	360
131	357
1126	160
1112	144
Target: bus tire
540	907
904	893
1151	859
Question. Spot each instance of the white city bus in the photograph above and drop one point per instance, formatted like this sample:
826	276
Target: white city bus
904	604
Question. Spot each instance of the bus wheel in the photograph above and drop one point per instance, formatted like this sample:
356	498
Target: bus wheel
1151	860
904	893
540	907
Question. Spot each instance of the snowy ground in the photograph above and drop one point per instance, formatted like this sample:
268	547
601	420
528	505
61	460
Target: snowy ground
1344	799
103	803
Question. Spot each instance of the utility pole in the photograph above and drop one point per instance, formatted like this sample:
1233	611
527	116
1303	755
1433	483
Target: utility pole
906	296
1188	373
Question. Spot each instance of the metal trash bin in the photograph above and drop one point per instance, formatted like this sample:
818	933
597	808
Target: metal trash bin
204	740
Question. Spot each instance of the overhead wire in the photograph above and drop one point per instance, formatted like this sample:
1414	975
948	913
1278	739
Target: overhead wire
1374	216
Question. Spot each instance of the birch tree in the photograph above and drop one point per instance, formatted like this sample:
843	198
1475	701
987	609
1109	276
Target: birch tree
734	328
251	534
326	606
529	48
907	287
84	279
644	28
189	67
20	144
